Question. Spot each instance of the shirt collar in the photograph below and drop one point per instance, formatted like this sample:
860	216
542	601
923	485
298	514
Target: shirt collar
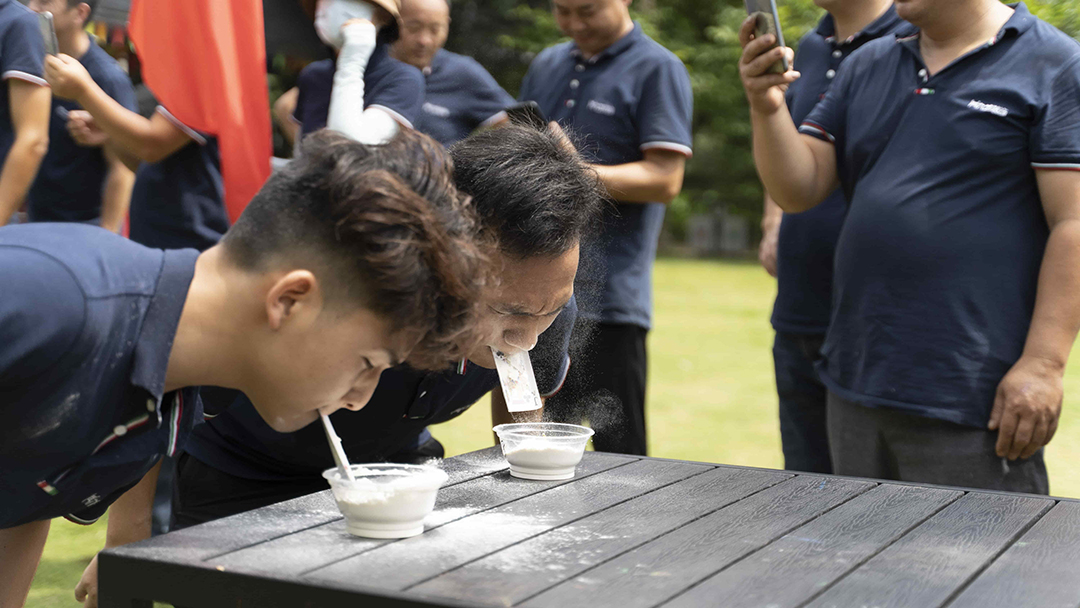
161	320
615	48
878	27
1020	22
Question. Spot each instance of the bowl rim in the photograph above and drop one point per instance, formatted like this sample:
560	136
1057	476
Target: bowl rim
518	429
378	468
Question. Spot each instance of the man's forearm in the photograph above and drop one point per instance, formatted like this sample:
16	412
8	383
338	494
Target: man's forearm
639	182
771	215
116	197
20	169
131	517
126	129
1056	320
787	165
20	552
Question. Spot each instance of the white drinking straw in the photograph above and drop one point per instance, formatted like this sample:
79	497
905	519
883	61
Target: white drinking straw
335	448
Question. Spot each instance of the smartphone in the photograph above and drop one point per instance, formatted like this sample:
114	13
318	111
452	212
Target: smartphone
527	113
767	21
48	33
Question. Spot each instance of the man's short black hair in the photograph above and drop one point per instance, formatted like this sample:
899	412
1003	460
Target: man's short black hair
533	194
383	227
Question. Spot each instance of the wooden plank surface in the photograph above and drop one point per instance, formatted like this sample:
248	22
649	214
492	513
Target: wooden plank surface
662	568
790	570
1042	568
326	544
529	567
927	565
411	561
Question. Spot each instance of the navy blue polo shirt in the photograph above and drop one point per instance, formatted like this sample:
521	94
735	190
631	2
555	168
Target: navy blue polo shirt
460	96
179	202
804	256
69	184
86	327
390	85
938	260
22	56
406	401
632	97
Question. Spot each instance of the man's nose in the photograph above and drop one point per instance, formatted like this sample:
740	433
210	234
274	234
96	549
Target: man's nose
521	338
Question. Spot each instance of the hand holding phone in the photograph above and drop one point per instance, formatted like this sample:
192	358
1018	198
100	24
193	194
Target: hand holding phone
48	33
767	21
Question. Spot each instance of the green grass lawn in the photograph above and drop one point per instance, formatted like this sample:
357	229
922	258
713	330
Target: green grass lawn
711	398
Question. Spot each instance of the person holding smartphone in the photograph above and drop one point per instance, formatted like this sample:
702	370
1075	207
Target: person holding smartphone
801	246
957	267
24	105
78	183
631	99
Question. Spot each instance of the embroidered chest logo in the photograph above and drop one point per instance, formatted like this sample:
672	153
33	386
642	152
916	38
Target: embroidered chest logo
91	500
435	110
601	108
996	110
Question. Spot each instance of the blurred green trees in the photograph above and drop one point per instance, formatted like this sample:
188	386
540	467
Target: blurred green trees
504	35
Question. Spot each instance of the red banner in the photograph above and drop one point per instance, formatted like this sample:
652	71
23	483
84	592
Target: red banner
205	61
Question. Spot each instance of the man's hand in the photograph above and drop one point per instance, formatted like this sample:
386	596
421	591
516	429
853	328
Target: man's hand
87	590
764	90
767	249
1027	407
67	77
84	130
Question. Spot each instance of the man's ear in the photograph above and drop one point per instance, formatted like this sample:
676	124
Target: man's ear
292	293
84	12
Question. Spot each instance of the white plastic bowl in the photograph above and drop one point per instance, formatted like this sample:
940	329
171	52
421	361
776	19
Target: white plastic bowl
543	450
386	500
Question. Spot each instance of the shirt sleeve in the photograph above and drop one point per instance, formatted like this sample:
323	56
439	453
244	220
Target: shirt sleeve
826	120
401	95
551	357
489	99
525	93
22	51
41	315
665	110
198	136
1055	137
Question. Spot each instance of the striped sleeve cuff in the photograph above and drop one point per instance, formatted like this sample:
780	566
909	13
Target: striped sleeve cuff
667	145
1056	166
816	130
192	133
19	75
560	380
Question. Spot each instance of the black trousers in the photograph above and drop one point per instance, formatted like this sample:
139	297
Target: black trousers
204	493
888	444
802	396
606	386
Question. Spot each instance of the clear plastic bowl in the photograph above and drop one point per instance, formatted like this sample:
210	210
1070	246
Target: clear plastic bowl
386	500
543	450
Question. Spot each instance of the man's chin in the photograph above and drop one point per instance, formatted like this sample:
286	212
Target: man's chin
483	357
291	424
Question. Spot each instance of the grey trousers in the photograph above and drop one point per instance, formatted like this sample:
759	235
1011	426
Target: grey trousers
883	443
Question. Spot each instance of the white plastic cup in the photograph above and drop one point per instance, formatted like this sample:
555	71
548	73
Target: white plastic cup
386	500
543	450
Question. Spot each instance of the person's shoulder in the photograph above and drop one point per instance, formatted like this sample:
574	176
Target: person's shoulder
1052	45
103	68
552	54
463	67
19	15
877	49
401	70
653	57
316	70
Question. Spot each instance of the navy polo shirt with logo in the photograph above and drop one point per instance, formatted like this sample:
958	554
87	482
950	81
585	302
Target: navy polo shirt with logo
937	263
632	97
807	241
179	202
22	56
405	402
390	85
69	184
86	327
460	96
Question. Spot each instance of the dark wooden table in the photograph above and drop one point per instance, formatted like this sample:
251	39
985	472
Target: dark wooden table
628	532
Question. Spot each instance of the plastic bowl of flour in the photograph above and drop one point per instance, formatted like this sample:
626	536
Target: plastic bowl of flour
543	450
386	500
